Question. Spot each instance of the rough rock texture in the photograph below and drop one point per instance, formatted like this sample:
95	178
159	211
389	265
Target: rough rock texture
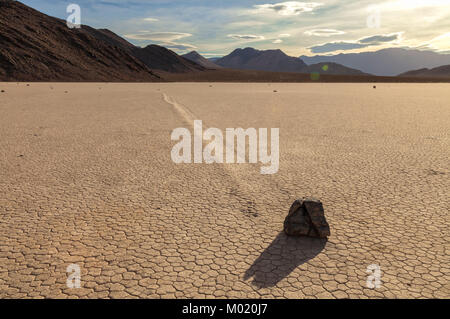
307	218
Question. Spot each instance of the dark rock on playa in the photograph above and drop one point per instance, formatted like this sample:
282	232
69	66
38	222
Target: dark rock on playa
307	218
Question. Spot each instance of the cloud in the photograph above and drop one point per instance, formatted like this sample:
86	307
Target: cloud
166	39
439	44
361	43
277	41
241	24
289	8
378	39
284	35
336	46
179	46
402	5
150	19
158	36
246	37
324	32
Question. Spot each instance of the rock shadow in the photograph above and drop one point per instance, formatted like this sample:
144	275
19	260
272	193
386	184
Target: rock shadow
282	256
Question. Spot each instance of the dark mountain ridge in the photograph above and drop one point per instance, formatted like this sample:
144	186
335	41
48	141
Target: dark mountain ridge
36	47
278	61
268	60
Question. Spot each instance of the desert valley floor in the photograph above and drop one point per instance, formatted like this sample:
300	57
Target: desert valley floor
86	178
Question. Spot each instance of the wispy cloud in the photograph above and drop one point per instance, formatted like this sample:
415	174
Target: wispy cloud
289	8
250	37
158	36
324	32
358	44
378	39
150	19
166	39
183	47
336	46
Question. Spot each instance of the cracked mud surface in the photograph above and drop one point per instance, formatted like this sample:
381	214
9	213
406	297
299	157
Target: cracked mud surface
86	178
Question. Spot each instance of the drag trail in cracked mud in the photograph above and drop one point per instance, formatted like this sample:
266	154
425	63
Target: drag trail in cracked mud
86	178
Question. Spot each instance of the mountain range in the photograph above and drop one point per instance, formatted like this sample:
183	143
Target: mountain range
386	62
278	61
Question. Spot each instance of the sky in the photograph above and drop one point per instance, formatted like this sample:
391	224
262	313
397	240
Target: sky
319	27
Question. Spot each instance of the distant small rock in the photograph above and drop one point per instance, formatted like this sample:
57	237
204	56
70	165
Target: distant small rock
307	218
374	86
3	91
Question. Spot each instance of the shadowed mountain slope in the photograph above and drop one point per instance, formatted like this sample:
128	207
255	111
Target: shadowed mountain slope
37	47
194	56
159	58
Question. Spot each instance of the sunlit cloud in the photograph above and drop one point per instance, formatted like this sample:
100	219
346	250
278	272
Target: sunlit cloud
150	19
403	5
324	32
440	43
158	36
179	46
277	41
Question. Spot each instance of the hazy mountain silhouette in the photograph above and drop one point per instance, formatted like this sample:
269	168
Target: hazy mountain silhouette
331	68
386	62
441	71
